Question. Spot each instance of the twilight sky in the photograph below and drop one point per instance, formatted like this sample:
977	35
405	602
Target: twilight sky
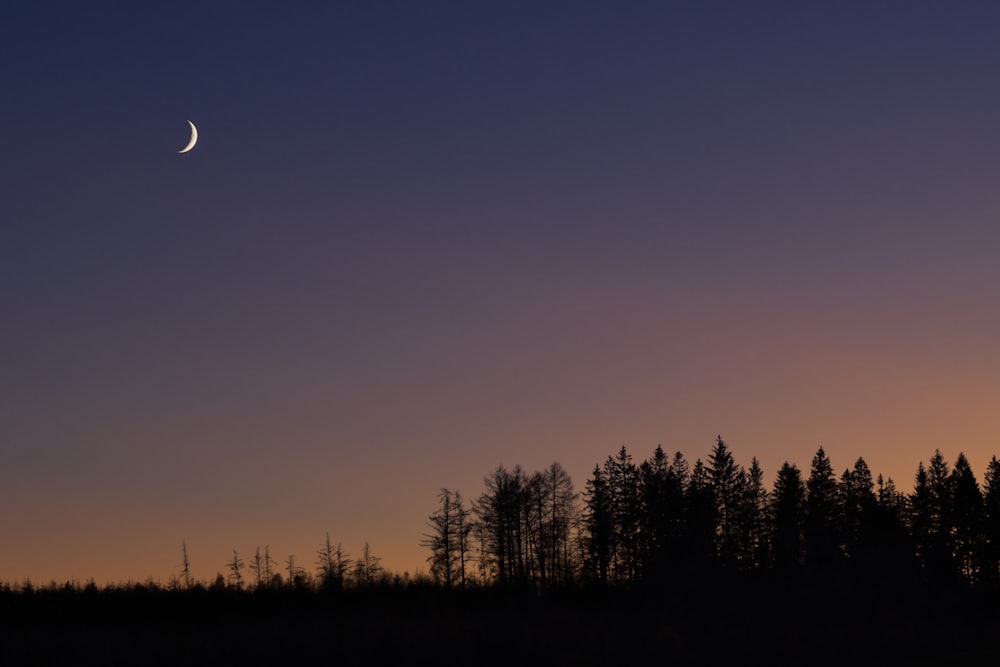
420	240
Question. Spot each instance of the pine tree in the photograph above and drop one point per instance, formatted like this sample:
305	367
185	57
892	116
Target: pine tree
623	484
966	543
754	520
920	516
652	473
858	496
700	519
991	521
599	526
893	548
788	510
724	478
940	499
822	541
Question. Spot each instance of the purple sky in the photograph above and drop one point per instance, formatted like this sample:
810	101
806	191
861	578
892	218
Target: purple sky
417	241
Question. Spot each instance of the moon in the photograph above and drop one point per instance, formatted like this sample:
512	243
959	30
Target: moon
194	139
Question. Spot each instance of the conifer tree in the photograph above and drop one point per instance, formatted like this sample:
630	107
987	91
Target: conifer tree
967	544
920	516
754	520
940	500
623	485
599	525
857	492
788	512
727	491
821	512
991	521
700	519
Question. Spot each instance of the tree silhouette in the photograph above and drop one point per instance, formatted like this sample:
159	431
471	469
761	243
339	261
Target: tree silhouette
940	501
623	485
235	567
754	520
822	541
257	569
296	575
558	513
727	491
991	521
968	510
444	541
368	568
500	511
185	566
662	514
331	565
920	517
788	509
857	491
700	519
599	523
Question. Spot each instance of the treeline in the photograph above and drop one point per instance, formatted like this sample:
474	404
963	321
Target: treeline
334	570
661	519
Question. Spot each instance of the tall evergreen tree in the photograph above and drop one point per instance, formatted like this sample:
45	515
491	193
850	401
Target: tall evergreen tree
920	517
662	513
788	510
700	519
754	520
892	545
857	492
821	512
727	492
991	521
940	499
967	519
599	526
623	483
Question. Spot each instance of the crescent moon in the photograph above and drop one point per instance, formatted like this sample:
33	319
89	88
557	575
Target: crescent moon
194	139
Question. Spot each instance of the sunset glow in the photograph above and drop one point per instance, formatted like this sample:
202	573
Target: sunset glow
417	243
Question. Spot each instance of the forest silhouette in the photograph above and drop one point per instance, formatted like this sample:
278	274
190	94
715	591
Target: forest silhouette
659	559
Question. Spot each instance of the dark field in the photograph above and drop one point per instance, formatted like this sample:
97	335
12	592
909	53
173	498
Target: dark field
758	623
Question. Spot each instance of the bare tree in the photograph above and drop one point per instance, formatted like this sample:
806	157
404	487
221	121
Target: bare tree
295	573
442	541
236	566
257	569
331	564
269	563
367	569
186	566
463	533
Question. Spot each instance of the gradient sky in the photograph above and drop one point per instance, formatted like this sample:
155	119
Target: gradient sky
420	240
